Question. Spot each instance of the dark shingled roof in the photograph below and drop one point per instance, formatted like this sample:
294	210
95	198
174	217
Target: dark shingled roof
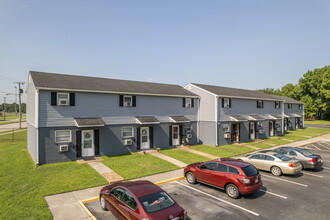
147	119
287	99
234	92
178	119
256	117
276	116
72	82
89	122
237	118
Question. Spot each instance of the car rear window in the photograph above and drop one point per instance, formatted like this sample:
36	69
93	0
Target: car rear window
250	170
305	153
156	202
282	157
233	170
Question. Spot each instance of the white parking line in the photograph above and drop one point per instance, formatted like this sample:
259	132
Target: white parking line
326	160
300	184
312	174
284	197
315	146
224	201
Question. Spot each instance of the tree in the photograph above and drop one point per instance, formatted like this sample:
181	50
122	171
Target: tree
271	91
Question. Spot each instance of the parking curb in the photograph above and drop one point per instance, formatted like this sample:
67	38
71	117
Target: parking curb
82	202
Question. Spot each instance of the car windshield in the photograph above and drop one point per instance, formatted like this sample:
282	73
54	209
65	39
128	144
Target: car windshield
282	157
156	202
250	170
305	153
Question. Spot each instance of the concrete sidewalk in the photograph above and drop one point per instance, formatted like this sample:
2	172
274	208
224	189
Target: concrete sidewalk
10	127
67	205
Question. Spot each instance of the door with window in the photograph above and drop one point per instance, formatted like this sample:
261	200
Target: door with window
252	131
285	124
145	139
271	128
235	132
87	143
175	135
297	123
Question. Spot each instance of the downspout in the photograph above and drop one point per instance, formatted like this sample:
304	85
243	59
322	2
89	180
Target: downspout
198	118
216	121
283	119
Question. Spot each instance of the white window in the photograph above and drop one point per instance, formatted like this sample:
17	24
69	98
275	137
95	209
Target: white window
62	136
225	128
290	106
277	104
63	98
226	103
127	101
260	104
188	102
300	106
127	132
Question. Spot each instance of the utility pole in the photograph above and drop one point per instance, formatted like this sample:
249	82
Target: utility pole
20	91
15	100
4	108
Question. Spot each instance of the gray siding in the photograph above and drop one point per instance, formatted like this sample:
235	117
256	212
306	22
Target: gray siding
207	132
32	136
110	140
247	107
30	104
295	109
107	107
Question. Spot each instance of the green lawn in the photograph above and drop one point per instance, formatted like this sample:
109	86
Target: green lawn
184	156
10	116
135	165
23	186
312	131
260	145
295	137
276	140
10	122
318	122
224	150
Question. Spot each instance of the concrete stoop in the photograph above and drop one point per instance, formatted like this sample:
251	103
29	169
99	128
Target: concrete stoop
110	175
89	160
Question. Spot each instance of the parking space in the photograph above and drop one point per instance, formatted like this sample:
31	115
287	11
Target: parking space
304	196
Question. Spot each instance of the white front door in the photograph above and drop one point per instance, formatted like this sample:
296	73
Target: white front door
297	123
175	135
271	128
285	124
145	140
252	131
87	140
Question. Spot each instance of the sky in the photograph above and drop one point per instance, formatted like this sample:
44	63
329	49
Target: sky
236	43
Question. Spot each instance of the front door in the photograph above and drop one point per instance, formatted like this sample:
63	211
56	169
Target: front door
297	123
145	140
235	132
285	124
87	143
271	128
252	131
175	135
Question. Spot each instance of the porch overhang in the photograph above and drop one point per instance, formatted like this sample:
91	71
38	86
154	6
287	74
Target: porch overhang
146	120
179	119
237	118
89	122
275	117
255	118
286	116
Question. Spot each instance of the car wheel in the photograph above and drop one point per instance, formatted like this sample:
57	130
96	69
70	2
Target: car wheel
276	171
103	203
232	191
302	165
191	178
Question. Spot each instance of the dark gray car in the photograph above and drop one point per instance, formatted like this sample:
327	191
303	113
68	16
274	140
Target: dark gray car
306	158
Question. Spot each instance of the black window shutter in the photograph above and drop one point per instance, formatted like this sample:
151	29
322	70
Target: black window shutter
151	133
78	143
121	100
181	133
170	135
239	132
257	104
262	104
97	141
184	102
53	98
192	102
255	130
72	99
138	144
279	104
222	102
250	131
229	103
134	101
275	104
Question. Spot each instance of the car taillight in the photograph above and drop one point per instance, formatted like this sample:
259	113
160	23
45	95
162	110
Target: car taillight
246	181
312	160
291	165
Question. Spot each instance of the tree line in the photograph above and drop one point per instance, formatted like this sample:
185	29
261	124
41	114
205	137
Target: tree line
11	107
313	89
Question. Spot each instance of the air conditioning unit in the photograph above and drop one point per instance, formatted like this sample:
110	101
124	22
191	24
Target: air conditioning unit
226	135
64	148
188	105
128	142
261	131
278	129
63	102
226	105
189	135
128	104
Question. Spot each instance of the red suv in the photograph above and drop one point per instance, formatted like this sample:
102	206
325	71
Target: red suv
234	176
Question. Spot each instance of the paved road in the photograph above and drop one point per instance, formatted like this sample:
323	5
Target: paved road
317	126
9	127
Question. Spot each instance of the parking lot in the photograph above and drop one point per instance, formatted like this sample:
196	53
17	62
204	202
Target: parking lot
305	196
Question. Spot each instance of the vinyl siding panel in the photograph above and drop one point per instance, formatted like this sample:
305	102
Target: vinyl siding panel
32	142
107	107
31	104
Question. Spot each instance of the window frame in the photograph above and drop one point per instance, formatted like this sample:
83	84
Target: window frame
188	101
58	101
124	101
70	139
277	105
226	101
228	128
122	132
261	103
